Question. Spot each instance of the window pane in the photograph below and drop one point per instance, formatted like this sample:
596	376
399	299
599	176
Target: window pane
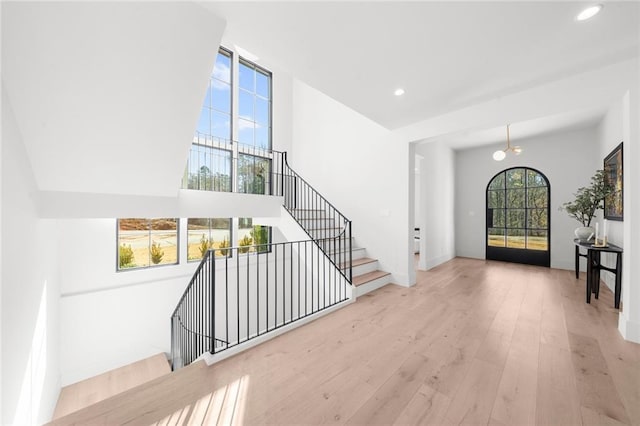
209	169
247	78
207	97
245	129
496	237
206	234
537	240
133	243
164	241
537	219
515	198
515	238
222	68
262	84
204	123
498	218
515	218
221	170
221	96
262	136
197	238
221	236
245	105
515	178
250	236
497	182
537	197
262	111
252	174
496	199
221	125
535	179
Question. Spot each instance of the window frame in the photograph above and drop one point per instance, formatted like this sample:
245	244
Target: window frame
151	265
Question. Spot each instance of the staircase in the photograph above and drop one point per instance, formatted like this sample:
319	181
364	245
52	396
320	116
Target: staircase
365	275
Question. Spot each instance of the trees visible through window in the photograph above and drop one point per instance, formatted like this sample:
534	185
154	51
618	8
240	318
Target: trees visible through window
253	238
146	242
204	234
253	174
518	210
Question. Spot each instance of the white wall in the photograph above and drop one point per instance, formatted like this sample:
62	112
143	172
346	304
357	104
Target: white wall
361	168
568	160
29	312
629	319
610	134
124	315
437	235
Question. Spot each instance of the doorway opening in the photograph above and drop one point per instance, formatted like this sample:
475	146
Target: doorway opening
518	219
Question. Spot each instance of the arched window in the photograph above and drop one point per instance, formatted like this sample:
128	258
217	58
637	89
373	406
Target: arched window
518	219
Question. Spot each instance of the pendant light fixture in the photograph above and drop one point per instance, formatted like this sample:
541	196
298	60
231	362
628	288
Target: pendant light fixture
500	155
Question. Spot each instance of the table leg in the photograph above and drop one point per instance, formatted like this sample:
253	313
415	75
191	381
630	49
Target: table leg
618	280
596	275
577	262
589	274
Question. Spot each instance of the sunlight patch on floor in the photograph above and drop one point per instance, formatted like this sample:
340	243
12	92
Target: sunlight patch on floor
224	406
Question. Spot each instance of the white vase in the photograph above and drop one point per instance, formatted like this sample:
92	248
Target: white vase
583	233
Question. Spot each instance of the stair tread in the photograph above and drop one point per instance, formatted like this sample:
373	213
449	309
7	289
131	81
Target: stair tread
358	262
369	276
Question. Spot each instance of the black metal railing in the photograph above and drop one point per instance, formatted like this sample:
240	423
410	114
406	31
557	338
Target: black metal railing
234	299
222	165
318	217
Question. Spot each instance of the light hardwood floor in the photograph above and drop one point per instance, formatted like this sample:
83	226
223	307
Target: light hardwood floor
87	392
474	342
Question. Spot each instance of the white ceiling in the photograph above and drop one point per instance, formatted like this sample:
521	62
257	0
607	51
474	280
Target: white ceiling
93	89
524	129
446	55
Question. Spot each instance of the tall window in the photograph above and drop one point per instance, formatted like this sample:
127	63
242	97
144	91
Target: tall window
147	242
215	116
254	105
231	150
208	233
209	166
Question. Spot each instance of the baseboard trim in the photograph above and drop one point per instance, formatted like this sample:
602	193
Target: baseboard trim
432	263
628	329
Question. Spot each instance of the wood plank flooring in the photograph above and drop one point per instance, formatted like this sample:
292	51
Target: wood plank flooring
87	392
474	342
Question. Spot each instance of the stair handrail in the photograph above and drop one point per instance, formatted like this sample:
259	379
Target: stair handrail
345	232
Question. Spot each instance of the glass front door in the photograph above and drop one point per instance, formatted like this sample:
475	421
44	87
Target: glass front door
518	217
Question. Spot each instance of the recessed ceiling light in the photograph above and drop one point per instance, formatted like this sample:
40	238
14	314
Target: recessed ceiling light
399	92
589	12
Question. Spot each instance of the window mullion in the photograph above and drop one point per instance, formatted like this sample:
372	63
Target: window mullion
235	96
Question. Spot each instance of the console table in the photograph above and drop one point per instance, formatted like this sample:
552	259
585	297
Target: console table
594	267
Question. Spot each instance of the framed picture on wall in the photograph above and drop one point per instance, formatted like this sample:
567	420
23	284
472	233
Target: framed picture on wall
613	207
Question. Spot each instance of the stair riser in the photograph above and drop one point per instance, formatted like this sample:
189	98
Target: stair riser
365	268
372	285
358	253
